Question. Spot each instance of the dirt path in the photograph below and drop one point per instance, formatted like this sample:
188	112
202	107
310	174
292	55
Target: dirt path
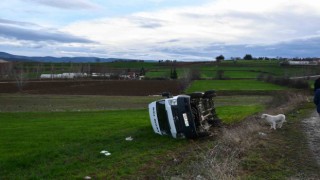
306	77
312	129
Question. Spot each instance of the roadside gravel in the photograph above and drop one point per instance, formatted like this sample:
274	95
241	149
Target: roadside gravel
311	127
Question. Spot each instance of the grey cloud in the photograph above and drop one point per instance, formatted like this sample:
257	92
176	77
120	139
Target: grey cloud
196	52
217	17
39	35
198	15
287	22
296	48
68	4
19	23
171	41
247	15
148	23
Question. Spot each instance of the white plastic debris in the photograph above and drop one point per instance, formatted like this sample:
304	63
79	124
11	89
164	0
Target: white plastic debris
106	153
262	134
129	138
87	177
199	177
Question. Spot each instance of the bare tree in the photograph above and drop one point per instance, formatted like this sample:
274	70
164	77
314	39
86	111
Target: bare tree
188	77
38	69
21	76
52	70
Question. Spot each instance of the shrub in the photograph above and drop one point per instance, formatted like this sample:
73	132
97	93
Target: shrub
282	81
195	74
220	74
269	79
300	84
261	77
293	83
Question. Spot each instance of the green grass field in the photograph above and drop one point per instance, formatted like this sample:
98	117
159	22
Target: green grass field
64	145
135	65
65	65
233	114
158	73
233	85
67	145
241	100
272	68
165	73
252	62
230	74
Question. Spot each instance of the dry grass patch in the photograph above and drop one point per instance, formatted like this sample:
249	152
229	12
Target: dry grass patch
228	155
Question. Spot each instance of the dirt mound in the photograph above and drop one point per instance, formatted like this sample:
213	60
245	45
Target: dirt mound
110	87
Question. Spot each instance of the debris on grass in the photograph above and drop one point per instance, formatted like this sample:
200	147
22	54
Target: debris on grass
199	177
129	138
106	153
262	134
87	177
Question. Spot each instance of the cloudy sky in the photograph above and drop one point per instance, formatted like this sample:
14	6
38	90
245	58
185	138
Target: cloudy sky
160	29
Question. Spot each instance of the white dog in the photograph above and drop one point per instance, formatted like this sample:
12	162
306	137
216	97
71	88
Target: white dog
274	120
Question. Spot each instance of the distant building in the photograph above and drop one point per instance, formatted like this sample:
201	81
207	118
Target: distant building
300	63
101	75
3	61
63	76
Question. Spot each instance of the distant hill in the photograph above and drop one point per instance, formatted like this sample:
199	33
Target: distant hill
11	57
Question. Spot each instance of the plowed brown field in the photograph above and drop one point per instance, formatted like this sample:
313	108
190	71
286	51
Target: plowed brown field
110	87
